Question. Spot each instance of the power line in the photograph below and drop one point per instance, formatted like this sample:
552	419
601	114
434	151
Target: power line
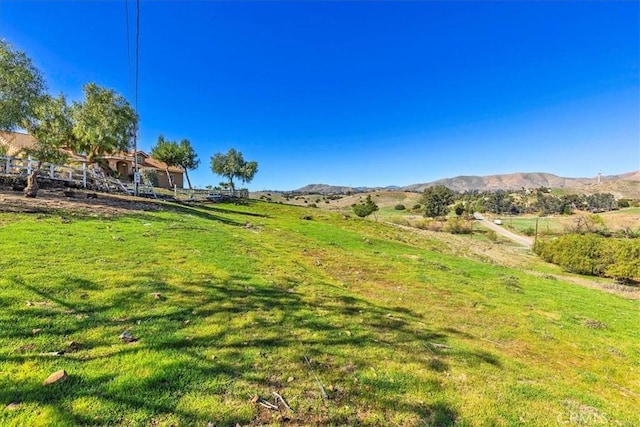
135	135
126	15
137	48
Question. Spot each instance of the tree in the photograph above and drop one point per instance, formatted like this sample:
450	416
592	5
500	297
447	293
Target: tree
167	152
103	123
233	166
21	87
188	159
436	201
365	209
174	154
51	127
499	202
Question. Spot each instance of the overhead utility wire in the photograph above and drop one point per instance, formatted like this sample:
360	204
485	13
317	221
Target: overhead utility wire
135	135
126	16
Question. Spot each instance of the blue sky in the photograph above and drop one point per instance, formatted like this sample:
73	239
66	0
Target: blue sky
360	93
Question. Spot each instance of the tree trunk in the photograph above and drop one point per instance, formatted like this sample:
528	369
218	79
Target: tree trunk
188	180
232	187
31	190
169	180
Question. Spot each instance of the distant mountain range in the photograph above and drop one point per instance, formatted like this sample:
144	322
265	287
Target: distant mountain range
513	181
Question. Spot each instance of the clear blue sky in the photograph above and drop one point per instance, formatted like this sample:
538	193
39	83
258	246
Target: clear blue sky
360	93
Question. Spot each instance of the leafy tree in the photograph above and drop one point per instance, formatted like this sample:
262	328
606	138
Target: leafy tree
600	202
104	122
436	201
233	166
174	154
21	87
459	209
51	127
499	202
365	209
167	152
188	159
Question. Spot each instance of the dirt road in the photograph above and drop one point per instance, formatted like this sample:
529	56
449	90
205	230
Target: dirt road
522	240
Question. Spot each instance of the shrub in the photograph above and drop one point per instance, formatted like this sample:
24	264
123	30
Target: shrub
149	175
491	235
399	207
593	255
529	231
417	207
458	226
428	224
313	205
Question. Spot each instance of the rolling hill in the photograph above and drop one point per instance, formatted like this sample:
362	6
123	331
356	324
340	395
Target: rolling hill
623	185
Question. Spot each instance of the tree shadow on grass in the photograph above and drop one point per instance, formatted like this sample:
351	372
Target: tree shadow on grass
249	327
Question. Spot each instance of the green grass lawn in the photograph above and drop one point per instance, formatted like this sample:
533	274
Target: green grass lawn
397	330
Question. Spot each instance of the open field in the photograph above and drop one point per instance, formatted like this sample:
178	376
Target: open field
224	303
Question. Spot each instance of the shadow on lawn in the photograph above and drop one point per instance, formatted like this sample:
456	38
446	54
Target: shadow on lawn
261	334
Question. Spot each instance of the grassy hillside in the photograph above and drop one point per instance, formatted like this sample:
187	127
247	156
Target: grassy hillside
225	303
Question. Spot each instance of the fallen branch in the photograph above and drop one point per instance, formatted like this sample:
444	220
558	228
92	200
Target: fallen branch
267	404
278	397
322	390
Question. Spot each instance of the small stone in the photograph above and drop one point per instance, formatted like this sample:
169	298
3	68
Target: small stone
156	295
13	406
255	398
56	377
127	337
36	331
290	379
29	304
53	353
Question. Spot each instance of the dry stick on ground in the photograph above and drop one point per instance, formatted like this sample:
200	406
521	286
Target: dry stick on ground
284	402
324	393
267	404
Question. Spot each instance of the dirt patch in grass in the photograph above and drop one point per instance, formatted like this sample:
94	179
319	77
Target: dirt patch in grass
79	200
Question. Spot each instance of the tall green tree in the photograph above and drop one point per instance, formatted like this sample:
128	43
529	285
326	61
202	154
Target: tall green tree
22	88
104	122
173	154
188	159
233	166
436	201
168	152
52	129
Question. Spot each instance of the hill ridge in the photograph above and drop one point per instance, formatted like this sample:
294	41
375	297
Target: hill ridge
462	183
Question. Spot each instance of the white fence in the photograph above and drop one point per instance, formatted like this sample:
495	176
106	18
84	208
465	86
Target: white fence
200	194
18	166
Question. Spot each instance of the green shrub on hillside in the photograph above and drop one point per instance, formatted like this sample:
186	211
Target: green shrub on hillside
594	255
458	226
399	207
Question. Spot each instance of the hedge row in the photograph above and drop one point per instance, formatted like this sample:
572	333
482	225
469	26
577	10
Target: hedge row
594	255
